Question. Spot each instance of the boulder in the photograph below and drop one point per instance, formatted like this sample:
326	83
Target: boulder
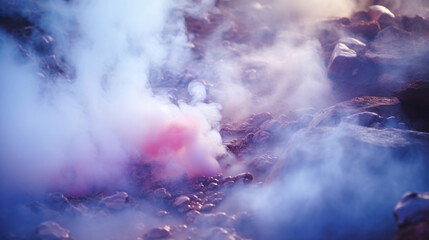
412	208
344	62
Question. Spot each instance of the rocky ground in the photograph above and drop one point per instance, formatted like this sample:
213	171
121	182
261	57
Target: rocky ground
383	106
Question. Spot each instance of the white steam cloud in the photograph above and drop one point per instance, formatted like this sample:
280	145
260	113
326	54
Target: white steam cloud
76	134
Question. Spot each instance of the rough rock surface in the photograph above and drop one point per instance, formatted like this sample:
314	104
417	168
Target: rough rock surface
50	230
412	208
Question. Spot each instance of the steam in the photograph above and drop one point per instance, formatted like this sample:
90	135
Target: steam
73	134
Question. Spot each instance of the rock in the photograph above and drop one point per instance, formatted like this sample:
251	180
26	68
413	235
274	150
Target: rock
377	11
418	231
116	201
344	62
417	25
353	43
181	201
361	16
161	193
247	177
261	137
412	208
332	116
415	104
366	30
158	233
212	186
207	207
50	230
415	93
364	118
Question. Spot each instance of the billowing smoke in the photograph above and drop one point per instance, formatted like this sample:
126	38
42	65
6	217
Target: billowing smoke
83	131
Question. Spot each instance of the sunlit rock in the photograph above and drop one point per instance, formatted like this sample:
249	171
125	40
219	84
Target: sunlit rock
344	62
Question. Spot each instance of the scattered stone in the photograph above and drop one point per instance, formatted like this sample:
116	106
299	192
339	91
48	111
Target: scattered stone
181	201
207	207
412	208
212	186
116	201
50	230
158	233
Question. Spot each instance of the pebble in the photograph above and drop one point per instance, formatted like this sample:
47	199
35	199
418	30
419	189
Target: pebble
158	233
212	186
181	201
207	207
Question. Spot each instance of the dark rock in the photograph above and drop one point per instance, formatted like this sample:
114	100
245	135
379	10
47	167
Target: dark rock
418	231
344	62
260	118
415	93
415	104
116	201
161	193
417	25
158	233
51	231
412	208
361	16
366	30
